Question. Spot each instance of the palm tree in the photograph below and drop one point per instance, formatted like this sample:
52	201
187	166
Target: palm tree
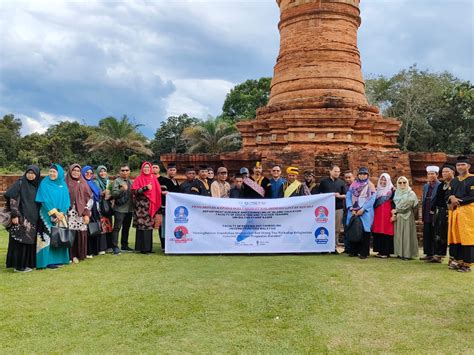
119	139
214	135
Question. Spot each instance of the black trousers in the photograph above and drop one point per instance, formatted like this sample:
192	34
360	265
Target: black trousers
429	239
361	248
121	221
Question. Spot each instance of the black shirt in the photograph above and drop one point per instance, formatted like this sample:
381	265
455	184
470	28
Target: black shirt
189	187
236	193
463	189
167	185
203	189
328	185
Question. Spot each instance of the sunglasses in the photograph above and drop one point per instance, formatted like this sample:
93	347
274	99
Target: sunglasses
276	170
402	182
223	172
125	170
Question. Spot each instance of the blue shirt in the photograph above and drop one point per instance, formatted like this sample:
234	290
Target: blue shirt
276	190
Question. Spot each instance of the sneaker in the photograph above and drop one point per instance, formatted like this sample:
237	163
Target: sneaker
101	252
52	267
436	260
26	269
362	257
127	249
382	256
109	250
75	260
116	251
464	268
427	258
89	256
452	265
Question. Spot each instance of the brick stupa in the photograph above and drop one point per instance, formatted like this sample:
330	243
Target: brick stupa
317	100
317	113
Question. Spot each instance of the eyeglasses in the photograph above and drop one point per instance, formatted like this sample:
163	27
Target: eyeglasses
276	170
223	172
125	170
402	182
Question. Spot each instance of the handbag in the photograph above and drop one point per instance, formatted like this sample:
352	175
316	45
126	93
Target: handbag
355	230
106	208
94	229
23	232
62	237
5	217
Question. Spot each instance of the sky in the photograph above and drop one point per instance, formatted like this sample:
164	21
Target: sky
86	60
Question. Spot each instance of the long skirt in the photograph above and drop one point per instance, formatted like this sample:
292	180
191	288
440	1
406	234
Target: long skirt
405	239
361	248
48	255
144	241
79	248
20	256
383	244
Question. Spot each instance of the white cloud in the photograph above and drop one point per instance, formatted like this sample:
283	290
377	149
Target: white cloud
198	98
42	122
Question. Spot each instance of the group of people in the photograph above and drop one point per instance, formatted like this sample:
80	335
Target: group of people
386	212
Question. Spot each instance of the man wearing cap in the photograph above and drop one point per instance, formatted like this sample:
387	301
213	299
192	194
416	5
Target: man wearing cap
252	188
428	197
461	215
168	184
202	183
277	183
440	209
293	187
220	188
189	186
333	184
309	181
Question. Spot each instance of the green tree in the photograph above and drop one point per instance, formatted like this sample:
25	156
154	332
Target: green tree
118	139
417	99
243	100
9	137
168	136
215	135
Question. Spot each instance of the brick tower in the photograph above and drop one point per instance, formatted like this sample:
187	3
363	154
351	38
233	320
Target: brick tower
317	103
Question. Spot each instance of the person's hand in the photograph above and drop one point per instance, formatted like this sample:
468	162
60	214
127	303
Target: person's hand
15	220
360	212
124	187
393	219
431	212
354	212
164	192
149	186
86	219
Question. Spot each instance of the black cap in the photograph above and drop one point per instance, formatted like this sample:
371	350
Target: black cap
462	159
449	166
190	168
363	170
171	166
203	167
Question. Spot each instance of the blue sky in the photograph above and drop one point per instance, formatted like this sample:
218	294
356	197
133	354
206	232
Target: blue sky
85	60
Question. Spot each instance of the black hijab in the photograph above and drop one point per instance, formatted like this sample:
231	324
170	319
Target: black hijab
24	191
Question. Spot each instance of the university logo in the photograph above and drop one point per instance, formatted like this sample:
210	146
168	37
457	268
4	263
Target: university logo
181	214
322	214
180	235
321	235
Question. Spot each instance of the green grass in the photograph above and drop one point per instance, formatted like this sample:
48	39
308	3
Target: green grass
237	304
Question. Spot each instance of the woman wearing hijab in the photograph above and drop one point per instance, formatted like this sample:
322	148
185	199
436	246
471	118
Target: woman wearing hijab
53	196
405	239
102	182
20	198
147	202
382	229
360	202
80	211
95	244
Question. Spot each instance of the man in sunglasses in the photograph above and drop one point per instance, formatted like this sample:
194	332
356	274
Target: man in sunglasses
276	188
123	209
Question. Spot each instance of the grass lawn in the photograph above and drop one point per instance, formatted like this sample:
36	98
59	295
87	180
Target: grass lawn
237	304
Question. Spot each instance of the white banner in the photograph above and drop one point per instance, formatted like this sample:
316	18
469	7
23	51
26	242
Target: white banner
206	225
